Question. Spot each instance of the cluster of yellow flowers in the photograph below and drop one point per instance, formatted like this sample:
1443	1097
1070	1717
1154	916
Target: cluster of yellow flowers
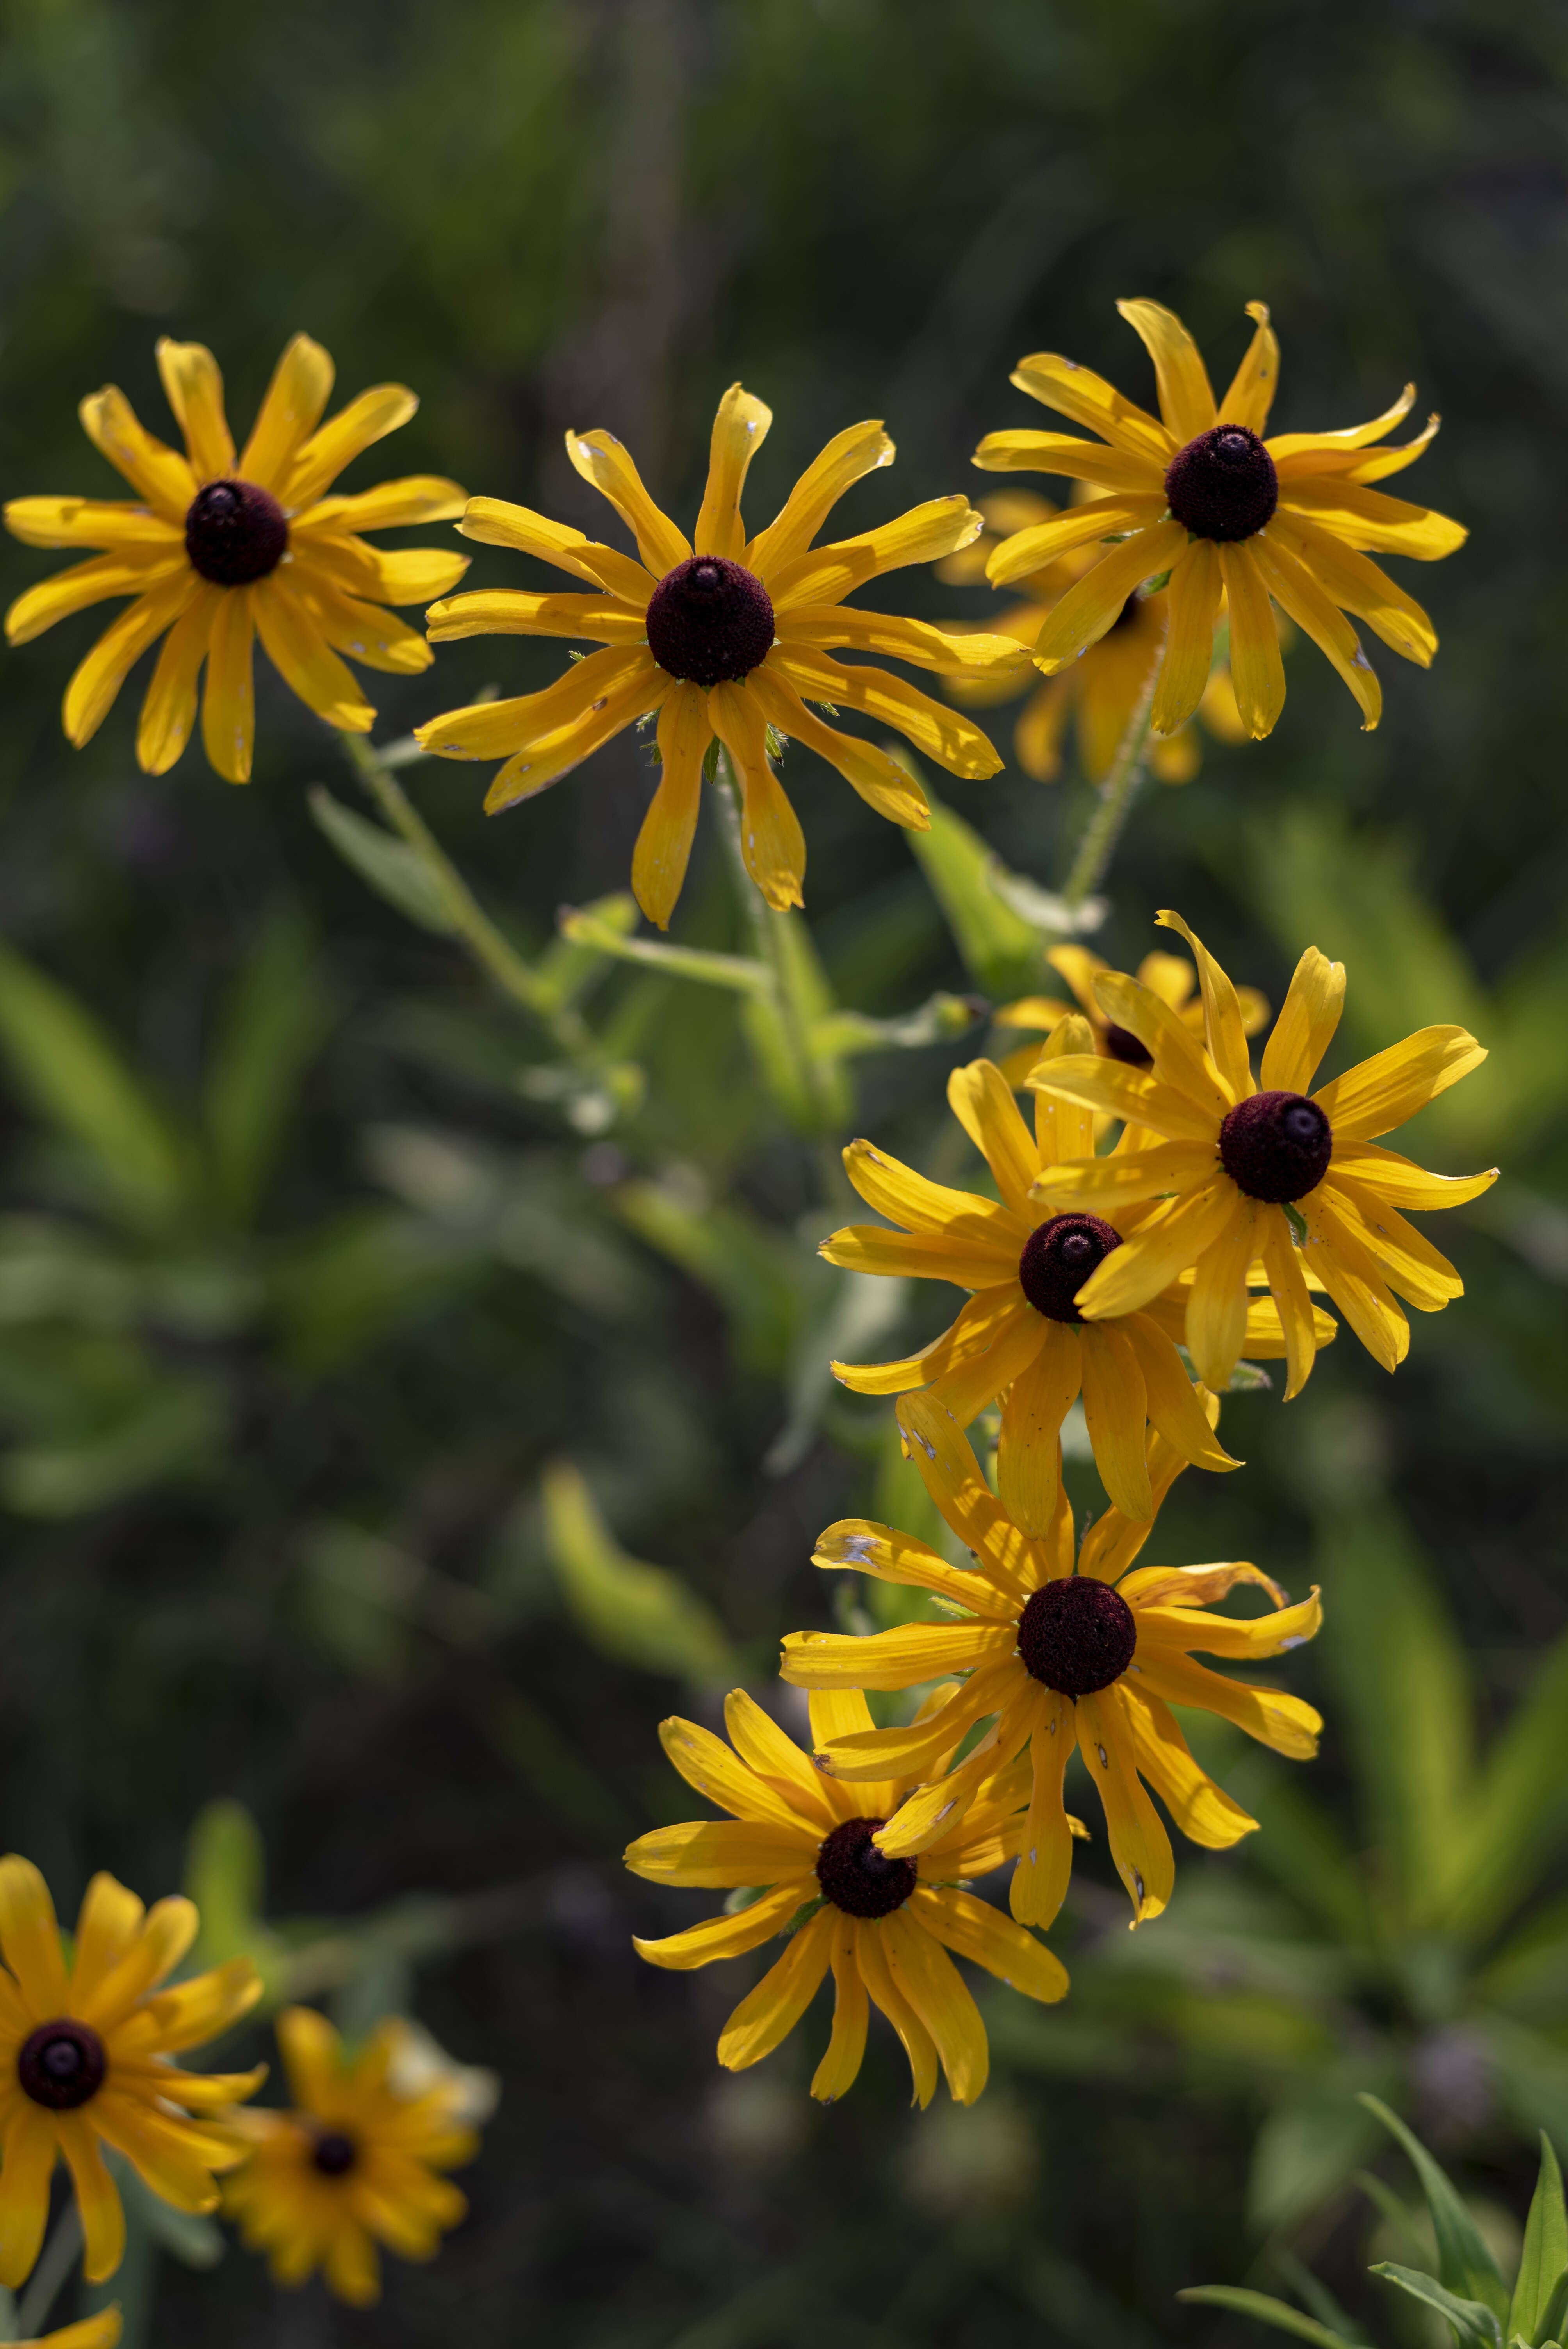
1227	1207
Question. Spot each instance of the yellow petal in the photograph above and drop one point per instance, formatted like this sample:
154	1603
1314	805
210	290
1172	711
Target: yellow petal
941	733
1285	1722
496	522
1257	672
1217	1308
839	2067
92	690
767	2016
507	612
1186	401
1253	386
491	729
1254	1637
969	1386
317	464
706	1763
1287	1287
1139	1846
1380	1094
305	662
945	1459
1114	1089
921	1748
1401	1181
413	497
369	633
919	1255
1203	1810
872	1961
828	624
1352	436
98	2198
987	1320
31	2149
1171	1397
1044	1861
771	841
89	522
1190	638
1307	1025
1408	1261
1028	1457
641	690
663	843
973	1929
1224	1030
1115	1410
859	450
1176	1052
898	1192
600	458
897	1659
158	473
1095	604
1037	738
766	1749
1113	1541
169	709
867	1547
298	392
1062	452
1103	518
1077	391
935	1990
194	390
739	430
1371	521
1300	597
1357	585
229	702
729	1936
1173	1237
716	1853
107	1925
134	571
982	1100
880	782
1062	1129
923	535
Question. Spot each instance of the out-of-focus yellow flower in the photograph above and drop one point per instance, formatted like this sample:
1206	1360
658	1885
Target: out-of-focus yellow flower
1198	497
85	2062
358	2161
1101	691
721	635
1229	1157
1167	975
884	1926
99	2331
216	550
1066	1648
1026	1257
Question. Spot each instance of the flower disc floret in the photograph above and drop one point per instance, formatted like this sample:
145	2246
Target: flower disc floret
1277	1146
1058	1257
62	2064
710	621
1077	1635
236	532
335	2153
858	1878
1223	484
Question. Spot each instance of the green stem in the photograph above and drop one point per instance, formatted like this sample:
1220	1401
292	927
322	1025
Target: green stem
769	936
1094	850
490	949
59	2256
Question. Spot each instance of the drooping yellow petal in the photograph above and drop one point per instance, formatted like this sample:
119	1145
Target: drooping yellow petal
1217	1307
839	2067
99	2204
880	780
1252	1638
730	1937
318	462
643	690
1077	391
1308	1019
1196	587
1116	1409
97	681
601	460
1357	585
31	2150
229	701
920	1749
1407	1259
305	662
1287	1287
1102	518
1171	1398
945	1459
1300	597
663	845
859	450
988	1320
369	633
941	732
1139	1847
1095	604
1255	381
132	570
1381	1093
771	841
1186	401
1028	1457
870	1960
970	1385
194	390
739	430
295	399
935	1990
1257	672
169	709
491	729
1045	1862
1202	1811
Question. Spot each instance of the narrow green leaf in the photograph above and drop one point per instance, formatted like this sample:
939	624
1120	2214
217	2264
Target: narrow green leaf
1464	2262
1000	951
1268	2310
388	864
1545	2253
582	927
1549	2325
1519	1807
69	1070
267	1033
1474	2325
642	1615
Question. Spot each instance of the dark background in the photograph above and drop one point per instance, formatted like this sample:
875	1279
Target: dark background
270	1444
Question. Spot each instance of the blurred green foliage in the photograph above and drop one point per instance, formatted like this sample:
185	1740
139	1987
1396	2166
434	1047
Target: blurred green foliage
332	1217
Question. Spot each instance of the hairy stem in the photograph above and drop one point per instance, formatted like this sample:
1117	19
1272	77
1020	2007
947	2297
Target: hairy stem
1091	860
59	2257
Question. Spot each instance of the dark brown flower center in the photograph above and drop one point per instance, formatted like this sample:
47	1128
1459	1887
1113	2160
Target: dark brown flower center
1077	1635
1123	1045
234	532
1058	1257
334	2153
858	1878
62	2064
1277	1146
710	621
1223	484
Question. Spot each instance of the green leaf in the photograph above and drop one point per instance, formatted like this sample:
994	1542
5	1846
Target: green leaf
269	1031
1000	951
1549	2325
642	1615
1268	2310
388	864
1406	1696
69	1070
1464	2262
1518	1807
1474	2325
174	1430
1544	2261
586	927
782	1023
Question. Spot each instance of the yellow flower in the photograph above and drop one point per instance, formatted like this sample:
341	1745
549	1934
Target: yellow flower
99	2331
1235	1155
1202	497
356	2163
1166	976
1025	1259
1101	690
83	2056
884	1925
1064	1655
215	551
727	641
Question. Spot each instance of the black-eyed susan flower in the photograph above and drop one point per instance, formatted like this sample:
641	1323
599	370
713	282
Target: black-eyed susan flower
85	2053
358	2160
1099	694
1199	494
1064	1652
1169	976
1237	1161
807	1845
215	550
1026	1257
99	2331
721	637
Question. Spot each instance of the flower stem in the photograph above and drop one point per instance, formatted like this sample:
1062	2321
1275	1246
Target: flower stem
1096	846
59	2256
